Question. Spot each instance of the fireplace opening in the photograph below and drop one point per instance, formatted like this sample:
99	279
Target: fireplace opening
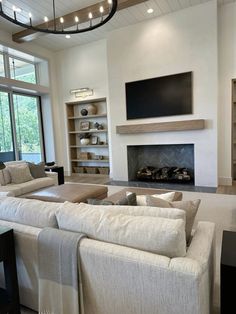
161	163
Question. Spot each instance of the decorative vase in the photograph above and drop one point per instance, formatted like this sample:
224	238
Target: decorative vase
84	112
92	109
84	141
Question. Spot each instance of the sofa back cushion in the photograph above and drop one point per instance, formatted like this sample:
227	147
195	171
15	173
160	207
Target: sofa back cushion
37	170
28	212
190	207
154	234
20	173
171	213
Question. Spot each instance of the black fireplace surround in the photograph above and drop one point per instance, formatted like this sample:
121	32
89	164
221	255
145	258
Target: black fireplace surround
161	163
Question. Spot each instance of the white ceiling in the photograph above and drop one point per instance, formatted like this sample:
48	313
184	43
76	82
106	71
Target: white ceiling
122	18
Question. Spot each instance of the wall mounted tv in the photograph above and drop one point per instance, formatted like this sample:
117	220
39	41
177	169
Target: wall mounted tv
158	97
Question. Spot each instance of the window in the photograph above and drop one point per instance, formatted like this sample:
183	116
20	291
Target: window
27	125
20	128
22	70
2	68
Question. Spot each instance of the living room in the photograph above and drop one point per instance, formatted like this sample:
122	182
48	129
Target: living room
177	37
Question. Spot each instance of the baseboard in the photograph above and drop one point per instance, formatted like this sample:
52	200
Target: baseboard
225	181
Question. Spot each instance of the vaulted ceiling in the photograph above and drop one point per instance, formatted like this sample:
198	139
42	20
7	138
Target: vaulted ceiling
133	14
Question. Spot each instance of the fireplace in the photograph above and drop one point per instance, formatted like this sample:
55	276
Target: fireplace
161	163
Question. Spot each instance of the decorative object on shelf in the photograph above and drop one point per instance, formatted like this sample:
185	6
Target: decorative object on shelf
98	157
91	170
103	170
92	109
84	112
94	140
79	170
84	125
85	138
84	155
71	23
82	92
98	126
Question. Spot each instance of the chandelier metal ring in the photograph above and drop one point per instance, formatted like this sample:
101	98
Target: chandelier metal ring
54	29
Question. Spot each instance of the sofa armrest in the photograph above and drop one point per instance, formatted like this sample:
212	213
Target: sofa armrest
52	175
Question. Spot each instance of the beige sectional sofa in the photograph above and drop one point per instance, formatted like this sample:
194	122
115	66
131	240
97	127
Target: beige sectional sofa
121	268
17	189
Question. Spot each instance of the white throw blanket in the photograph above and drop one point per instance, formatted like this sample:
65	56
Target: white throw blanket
59	282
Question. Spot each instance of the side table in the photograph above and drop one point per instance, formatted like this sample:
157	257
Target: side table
60	172
9	297
228	272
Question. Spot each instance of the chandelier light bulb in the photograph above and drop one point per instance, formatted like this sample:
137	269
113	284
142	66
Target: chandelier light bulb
90	15
30	15
101	9
110	1
61	20
68	36
76	19
150	10
46	19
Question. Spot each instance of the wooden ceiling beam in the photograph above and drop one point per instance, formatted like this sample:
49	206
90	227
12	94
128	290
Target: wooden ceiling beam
69	19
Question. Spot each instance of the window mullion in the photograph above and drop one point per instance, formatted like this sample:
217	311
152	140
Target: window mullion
6	65
13	123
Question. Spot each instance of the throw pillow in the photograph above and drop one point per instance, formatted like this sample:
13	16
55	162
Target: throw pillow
37	170
190	207
94	201
154	234
20	173
6	176
130	199
142	199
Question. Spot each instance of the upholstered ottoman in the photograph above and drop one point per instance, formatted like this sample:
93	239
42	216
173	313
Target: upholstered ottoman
74	193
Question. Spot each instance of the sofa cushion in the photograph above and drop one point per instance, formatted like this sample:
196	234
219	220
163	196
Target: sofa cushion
20	173
154	234
190	207
95	201
6	176
27	187
171	213
37	170
28	212
142	199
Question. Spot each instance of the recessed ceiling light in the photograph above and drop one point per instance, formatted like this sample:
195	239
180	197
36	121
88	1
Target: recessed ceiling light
68	36
150	10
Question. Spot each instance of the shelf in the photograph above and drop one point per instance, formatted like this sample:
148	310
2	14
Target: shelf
85	146
91	160
183	125
86	102
88	117
89	131
90	175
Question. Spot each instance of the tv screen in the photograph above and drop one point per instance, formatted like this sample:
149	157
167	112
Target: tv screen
158	97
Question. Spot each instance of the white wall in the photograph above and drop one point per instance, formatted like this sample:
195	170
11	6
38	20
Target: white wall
227	71
178	42
49	103
82	66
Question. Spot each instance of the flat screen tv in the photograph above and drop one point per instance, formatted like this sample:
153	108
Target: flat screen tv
158	97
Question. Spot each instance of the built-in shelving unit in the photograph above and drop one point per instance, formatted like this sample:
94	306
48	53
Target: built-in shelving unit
92	158
234	129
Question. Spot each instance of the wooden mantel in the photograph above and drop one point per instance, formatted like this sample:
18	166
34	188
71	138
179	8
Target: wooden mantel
184	125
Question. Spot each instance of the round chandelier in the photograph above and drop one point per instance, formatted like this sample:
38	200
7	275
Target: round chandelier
80	21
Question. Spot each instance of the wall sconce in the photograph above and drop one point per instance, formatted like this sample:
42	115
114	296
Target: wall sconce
82	92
